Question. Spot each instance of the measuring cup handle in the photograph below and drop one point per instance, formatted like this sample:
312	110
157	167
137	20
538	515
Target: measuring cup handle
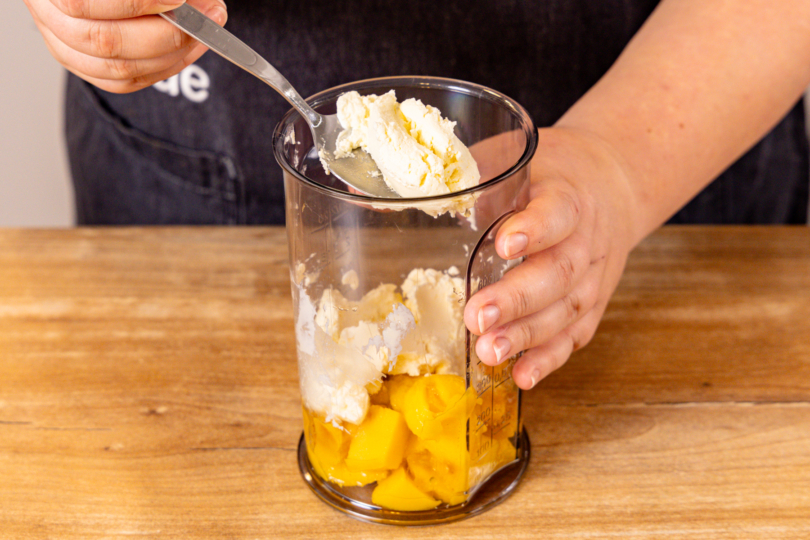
485	266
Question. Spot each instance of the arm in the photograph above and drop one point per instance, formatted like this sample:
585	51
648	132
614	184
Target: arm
698	85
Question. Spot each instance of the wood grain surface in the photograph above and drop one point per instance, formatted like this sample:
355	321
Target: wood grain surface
148	389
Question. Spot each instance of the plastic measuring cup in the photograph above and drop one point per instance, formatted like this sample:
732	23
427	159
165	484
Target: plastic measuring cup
402	423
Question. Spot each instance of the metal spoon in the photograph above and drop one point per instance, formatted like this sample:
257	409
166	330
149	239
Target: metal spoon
358	171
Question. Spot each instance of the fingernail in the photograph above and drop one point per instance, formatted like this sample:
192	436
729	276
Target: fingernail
501	347
217	14
487	316
535	377
515	243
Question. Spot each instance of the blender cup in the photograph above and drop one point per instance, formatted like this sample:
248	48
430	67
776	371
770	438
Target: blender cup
402	423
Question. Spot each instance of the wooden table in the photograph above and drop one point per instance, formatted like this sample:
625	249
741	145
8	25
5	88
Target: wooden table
148	389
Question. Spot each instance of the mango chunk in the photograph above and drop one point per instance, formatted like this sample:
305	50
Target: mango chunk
379	442
398	492
438	405
499	453
327	444
506	452
440	467
451	452
341	475
398	386
505	411
327	447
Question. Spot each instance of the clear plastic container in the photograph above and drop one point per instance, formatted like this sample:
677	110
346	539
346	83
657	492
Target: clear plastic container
402	423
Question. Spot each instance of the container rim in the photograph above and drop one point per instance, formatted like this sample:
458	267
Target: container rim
455	85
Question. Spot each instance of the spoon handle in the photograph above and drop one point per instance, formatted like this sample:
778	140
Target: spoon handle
222	42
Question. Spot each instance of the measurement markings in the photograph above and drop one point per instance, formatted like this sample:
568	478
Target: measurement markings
503	381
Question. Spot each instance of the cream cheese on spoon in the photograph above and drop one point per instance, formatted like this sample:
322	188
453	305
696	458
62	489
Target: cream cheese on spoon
414	147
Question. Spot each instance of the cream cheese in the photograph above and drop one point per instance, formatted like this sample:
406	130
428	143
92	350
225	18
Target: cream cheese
414	147
346	347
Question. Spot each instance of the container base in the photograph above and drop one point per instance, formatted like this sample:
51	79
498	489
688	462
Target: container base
492	492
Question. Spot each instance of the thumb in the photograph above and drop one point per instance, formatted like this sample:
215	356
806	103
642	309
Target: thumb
213	9
216	10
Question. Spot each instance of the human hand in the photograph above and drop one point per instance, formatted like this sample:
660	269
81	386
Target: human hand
576	233
119	45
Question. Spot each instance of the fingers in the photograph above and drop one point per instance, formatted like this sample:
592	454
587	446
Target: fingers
112	69
119	54
134	39
138	83
575	235
539	362
113	9
537	328
124	86
550	217
540	281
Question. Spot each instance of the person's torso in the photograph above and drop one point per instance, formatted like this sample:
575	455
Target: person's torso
544	54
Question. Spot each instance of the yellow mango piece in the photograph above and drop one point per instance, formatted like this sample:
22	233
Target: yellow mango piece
327	447
380	441
438	405
506	452
440	467
341	475
398	492
420	465
398	386
500	453
327	444
505	411
452	451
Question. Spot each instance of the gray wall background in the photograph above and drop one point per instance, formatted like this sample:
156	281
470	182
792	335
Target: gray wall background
34	180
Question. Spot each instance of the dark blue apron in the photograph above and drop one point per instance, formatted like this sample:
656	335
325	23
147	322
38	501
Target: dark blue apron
196	148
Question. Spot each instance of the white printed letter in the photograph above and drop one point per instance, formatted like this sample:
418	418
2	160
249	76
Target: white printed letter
170	86
194	83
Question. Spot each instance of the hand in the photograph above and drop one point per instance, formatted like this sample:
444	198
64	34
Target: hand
119	45
576	233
